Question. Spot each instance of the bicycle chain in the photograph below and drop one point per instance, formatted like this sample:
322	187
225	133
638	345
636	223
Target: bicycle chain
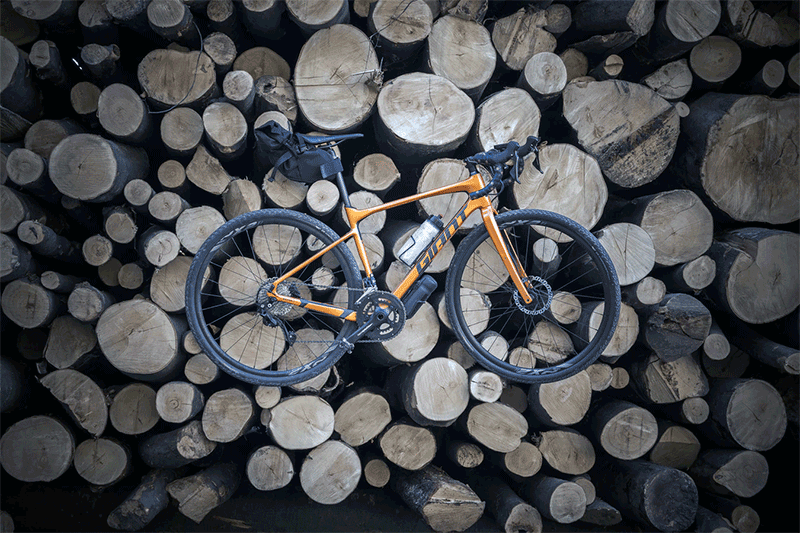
363	340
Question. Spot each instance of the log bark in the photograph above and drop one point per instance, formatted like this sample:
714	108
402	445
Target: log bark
784	358
20	94
601	513
464	454
407	445
133	409
330	472
519	36
147	500
417	133
301	422
176	448
692	276
242	196
44	241
181	131
312	17
37	448
349	84
675	327
199	494
557	500
172	20
747	413
566	451
29	305
656	496
108	272
608	69
709	521
510	511
140	340
678	27
766	80
102	462
362	416
626	16
462	52
740	472
496	426
269	468
29	170
192	83
748	25
742	517
638	145
206	172
102	175
561	403
18	207
757	276
81	397
676	446
15	259
444	503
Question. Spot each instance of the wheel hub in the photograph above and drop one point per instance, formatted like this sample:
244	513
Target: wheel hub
542	295
269	305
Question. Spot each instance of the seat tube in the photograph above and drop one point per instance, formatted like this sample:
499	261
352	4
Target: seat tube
342	189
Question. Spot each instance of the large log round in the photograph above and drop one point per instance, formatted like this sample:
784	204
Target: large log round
422	116
336	96
192	80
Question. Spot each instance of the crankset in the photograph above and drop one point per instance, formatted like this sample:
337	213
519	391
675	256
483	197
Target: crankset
381	316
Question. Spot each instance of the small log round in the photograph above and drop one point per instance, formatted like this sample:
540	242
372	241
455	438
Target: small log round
566	451
624	430
693	275
97	250
108	272
195	225
507	115
519	36
123	114
485	386
172	20
227	415
301	422
102	462
178	401
84	96
159	246
407	445
544	77
562	402
362	416
120	224
267	397
192	81
201	370
322	199
496	426
176	448
133	409
649	291
312	17
377	473
226	130
376	173
87	303
269	468
434	392
29	170
676	446
29	305
401	26
672	81
222	51
181	131
274	93
558	500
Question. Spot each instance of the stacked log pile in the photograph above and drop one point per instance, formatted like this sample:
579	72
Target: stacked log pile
127	138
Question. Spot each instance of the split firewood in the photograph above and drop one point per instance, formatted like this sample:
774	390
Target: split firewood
69	342
444	503
133	409
676	446
274	93
663	382
199	494
144	503
519	36
206	172
748	25
37	448
81	397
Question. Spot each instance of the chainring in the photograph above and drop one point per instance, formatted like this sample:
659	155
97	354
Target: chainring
389	327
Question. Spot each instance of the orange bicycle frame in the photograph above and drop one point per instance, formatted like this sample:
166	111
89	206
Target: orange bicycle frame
482	204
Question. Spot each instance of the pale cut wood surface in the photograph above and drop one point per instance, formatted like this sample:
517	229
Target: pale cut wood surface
257	349
418	338
178	401
68	341
206	172
182	130
133	409
715	59
38	448
566	451
269	468
401	26
507	115
311	16
408	445
519	36
195	225
436	391
558	500
439	173
130	276
562	402
225	129
164	92
362	417
28	304
82	398
673	80
330	472
740	472
624	430
336	97
227	415
668	382
167	285
200	370
496	426
101	461
631	250
301	422
572	185
241	196
461	51
525	461
676	447
606	115
122	113
309	345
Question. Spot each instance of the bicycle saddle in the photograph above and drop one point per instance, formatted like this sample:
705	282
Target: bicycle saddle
323	139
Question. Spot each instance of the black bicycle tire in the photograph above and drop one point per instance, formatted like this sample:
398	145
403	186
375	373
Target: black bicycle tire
193	297
608	278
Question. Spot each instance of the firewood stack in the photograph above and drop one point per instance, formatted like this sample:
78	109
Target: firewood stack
672	129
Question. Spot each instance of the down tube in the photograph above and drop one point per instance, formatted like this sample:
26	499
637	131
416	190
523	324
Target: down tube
446	234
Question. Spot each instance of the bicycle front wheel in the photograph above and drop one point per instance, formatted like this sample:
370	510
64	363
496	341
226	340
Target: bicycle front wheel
256	338
576	298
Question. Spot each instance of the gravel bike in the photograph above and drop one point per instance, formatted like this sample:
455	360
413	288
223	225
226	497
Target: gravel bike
253	289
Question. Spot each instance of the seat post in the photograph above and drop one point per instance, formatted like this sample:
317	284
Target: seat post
342	189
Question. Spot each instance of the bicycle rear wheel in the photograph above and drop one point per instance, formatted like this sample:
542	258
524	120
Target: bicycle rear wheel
576	298
228	282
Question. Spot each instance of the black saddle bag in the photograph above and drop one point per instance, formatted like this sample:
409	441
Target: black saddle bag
278	148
